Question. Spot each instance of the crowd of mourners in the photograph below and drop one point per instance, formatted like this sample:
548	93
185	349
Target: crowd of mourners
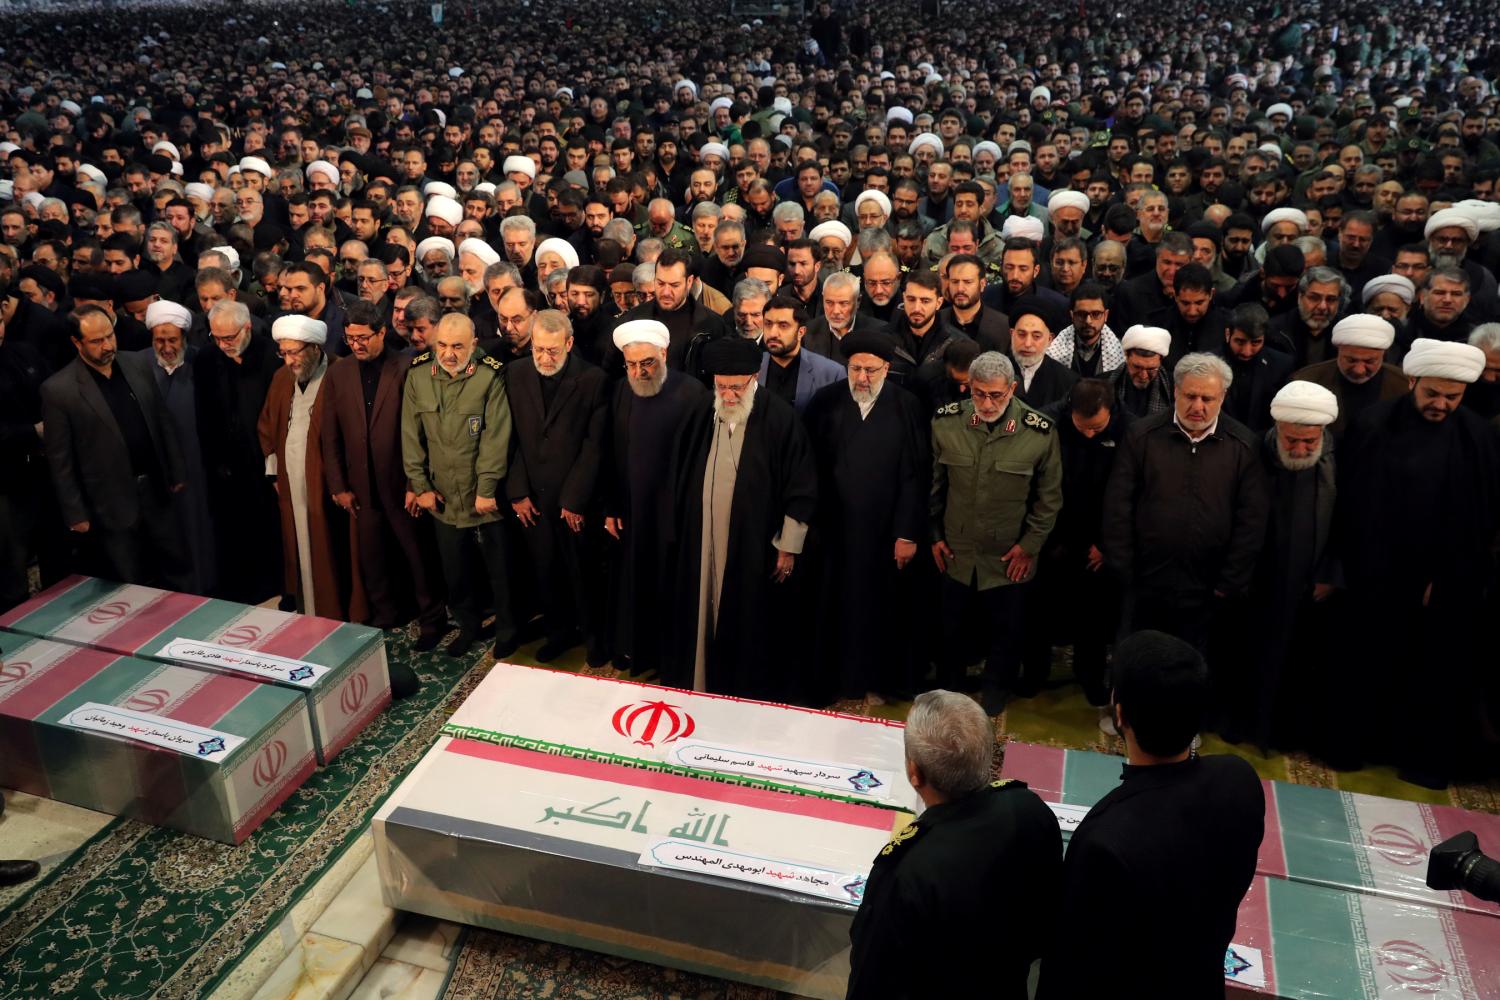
813	359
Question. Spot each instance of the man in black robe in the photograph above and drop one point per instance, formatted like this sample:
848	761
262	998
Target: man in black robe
1279	668
1358	376
747	489
872	444
1425	467
232	376
648	411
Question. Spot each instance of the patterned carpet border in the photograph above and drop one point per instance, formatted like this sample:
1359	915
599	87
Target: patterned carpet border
142	912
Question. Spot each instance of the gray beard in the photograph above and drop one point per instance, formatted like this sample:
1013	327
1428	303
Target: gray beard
735	413
645	389
1291	464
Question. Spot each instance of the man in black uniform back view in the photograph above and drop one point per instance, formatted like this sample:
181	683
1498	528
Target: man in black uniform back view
932	923
1156	871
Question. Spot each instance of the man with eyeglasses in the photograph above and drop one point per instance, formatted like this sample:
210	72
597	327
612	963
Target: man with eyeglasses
232	376
750	488
996	492
315	532
871	440
650	407
365	475
1087	345
557	403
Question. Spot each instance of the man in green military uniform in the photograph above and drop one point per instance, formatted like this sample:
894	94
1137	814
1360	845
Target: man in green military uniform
661	223
455	439
928	925
996	491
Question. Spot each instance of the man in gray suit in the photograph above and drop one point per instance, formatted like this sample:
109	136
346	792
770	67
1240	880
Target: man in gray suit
114	457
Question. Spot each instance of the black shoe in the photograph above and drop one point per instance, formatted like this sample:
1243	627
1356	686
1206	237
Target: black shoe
1421	776
994	701
505	647
595	658
16	872
427	642
553	648
462	642
404	682
288	602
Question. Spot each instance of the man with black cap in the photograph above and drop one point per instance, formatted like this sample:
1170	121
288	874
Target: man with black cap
871	440
1178	836
748	490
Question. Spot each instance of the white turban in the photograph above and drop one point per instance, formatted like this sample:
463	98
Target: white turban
1364	330
198	190
832	227
303	328
161	311
1041	92
714	149
1304	403
898	113
720	102
1486	215
1279	109
1147	338
642	331
166	147
1023	226
257	164
230	254
1068	199
485	187
325	168
480	249
432	243
926	139
519	165
689	84
440	187
1294	215
92	172
782	105
561	247
177	169
993	148
1449	217
445	208
878	197
1441	359
1398	283
1270	149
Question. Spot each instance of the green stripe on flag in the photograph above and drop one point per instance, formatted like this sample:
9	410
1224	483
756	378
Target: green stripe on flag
1317	942
343	645
64	607
106	687
1088	776
257	710
1316	836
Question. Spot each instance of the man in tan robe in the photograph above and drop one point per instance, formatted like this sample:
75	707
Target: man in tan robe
318	552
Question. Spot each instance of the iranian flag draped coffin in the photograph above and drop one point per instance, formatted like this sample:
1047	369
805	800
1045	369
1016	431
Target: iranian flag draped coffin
1358	843
753	743
339	668
203	752
716	877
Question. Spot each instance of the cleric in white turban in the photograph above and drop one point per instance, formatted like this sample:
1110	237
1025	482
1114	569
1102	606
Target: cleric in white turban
1305	404
1296	217
300	328
642	331
1152	339
1364	330
1440	359
523	165
1023	226
164	313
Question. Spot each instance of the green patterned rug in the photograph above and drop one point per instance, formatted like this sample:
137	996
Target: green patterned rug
142	912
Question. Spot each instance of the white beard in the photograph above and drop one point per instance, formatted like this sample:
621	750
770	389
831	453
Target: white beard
1291	464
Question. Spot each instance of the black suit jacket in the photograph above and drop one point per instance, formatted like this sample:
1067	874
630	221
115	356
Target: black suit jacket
86	452
362	454
1052	381
555	453
820	340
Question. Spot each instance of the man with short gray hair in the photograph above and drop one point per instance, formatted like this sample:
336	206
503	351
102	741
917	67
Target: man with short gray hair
931	890
1186	507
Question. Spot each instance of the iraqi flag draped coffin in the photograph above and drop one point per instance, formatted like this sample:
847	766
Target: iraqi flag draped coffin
758	744
207	753
337	667
715	877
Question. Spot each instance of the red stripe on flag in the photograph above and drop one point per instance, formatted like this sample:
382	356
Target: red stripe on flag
1040	767
153	619
1451	820
1272	860
41	600
1254	928
297	638
756	798
212	701
294	779
64	676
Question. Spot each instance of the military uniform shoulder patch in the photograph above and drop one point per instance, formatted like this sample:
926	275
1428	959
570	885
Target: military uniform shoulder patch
421	359
949	410
1037	422
901	836
492	361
